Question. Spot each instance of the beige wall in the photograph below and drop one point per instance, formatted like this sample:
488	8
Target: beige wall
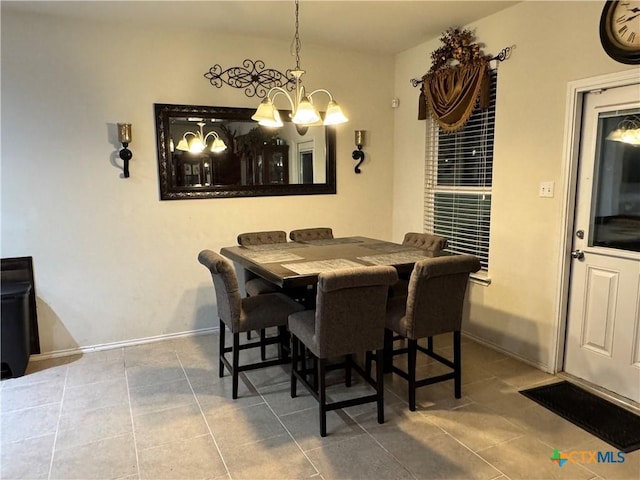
555	43
112	262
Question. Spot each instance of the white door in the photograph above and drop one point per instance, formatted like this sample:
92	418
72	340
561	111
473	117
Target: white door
603	327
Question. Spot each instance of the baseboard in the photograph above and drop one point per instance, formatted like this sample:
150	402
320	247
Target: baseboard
538	365
126	343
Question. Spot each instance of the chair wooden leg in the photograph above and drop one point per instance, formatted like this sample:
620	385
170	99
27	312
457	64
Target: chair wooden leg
347	370
457	362
236	361
283	336
294	365
411	359
263	347
388	351
367	364
430	344
379	385
249	335
322	395
221	350
315	373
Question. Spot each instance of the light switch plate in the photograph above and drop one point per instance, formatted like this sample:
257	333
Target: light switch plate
546	189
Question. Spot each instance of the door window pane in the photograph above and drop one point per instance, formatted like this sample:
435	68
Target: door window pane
615	215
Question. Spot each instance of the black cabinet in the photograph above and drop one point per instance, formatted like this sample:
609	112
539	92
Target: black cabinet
271	165
14	334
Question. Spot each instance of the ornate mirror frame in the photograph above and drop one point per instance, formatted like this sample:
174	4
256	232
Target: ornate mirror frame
169	190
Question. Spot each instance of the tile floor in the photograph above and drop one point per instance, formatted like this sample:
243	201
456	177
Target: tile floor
160	411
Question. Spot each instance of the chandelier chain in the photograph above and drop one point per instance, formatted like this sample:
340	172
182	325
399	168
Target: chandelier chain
296	43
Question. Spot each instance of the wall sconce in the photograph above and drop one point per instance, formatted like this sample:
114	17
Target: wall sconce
358	154
124	137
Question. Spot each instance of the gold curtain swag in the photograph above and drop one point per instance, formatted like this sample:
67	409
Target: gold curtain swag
451	94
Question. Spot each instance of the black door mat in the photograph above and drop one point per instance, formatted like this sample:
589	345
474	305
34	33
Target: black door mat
607	421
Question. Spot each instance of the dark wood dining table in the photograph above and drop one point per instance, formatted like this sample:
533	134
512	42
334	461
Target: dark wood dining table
296	264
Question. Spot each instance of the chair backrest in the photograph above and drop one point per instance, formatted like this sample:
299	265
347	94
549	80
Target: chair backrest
425	241
307	234
225	283
436	294
350	309
262	238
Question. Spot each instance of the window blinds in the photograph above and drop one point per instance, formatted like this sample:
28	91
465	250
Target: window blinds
458	180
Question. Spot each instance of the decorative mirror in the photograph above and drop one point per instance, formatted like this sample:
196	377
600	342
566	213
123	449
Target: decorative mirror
211	152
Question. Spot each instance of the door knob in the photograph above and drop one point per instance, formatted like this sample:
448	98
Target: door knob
578	254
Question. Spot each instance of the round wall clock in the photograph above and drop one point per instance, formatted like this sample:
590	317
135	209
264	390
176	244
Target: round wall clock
620	30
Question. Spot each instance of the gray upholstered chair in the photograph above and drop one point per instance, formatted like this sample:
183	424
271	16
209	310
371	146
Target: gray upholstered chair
245	314
254	285
310	234
425	241
349	318
433	306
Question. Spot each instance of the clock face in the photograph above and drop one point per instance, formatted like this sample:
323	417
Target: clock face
620	30
625	23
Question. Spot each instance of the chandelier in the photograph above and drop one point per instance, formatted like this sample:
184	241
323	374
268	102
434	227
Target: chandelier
303	112
198	142
628	131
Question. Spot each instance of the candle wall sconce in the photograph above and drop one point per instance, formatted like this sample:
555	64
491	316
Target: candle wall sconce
358	154
124	137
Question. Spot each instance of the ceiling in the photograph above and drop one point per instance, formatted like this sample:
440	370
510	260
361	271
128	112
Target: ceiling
368	26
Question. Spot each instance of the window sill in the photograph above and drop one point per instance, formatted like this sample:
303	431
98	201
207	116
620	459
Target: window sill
481	278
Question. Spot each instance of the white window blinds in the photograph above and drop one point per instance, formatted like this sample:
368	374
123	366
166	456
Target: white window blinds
458	180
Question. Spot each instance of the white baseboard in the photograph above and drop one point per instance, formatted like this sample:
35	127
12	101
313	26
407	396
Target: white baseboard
126	343
538	365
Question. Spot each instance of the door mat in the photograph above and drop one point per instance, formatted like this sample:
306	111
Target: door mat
607	421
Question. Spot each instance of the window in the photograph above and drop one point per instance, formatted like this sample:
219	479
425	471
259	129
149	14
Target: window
458	180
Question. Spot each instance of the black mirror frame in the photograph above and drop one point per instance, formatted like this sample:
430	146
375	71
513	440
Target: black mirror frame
171	192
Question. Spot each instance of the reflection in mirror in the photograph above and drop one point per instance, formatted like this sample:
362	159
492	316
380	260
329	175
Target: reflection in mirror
209	152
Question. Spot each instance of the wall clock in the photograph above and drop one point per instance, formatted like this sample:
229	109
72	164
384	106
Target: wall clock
620	30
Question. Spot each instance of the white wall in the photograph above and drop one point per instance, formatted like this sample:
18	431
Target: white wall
555	43
112	262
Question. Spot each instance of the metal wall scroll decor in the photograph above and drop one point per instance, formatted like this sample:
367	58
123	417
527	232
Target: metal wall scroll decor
500	57
252	76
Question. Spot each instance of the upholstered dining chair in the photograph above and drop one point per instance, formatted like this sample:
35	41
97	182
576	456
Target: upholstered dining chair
253	284
425	241
422	241
310	234
245	314
349	319
433	306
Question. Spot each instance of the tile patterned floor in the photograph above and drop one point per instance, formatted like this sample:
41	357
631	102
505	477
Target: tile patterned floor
160	411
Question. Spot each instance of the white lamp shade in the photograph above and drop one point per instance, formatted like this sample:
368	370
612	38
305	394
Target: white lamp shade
334	114
196	146
183	145
305	113
274	122
266	112
218	145
630	136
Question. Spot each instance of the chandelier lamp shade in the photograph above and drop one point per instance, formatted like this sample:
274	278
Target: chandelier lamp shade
197	142
303	111
628	131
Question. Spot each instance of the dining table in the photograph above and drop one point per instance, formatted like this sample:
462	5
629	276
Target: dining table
297	264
